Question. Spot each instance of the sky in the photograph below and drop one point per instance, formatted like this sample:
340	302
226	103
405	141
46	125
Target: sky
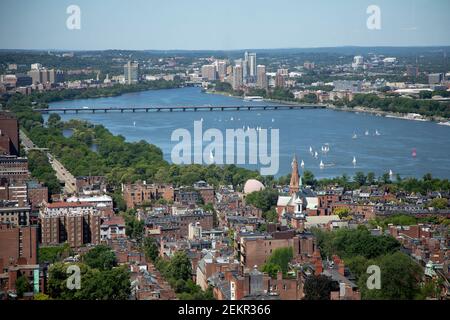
221	25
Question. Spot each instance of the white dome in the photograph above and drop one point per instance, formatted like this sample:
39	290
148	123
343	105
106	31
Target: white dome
253	185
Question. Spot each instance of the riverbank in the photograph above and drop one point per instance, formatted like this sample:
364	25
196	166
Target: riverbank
358	109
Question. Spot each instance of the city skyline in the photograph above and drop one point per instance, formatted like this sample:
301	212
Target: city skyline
211	26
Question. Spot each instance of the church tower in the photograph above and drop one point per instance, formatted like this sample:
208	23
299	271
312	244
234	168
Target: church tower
294	186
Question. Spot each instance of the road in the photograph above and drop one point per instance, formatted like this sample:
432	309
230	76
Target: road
62	173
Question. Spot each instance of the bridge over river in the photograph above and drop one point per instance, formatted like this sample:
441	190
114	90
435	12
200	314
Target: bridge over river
180	108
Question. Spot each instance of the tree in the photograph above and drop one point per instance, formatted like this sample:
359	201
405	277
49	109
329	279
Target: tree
112	284
101	257
360	178
342	212
151	249
180	266
318	287
308	178
278	261
400	277
263	199
439	203
22	285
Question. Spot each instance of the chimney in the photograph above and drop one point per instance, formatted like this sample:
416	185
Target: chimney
318	268
341	268
279	275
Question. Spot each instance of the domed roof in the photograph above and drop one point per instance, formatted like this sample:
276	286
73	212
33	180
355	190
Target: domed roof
253	185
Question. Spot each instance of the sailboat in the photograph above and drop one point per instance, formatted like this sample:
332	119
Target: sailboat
310	150
414	153
367	132
321	164
316	154
354	161
232	119
302	164
354	136
391	173
273	120
377	133
134	123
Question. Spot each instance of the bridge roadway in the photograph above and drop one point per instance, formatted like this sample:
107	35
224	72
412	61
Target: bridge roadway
181	108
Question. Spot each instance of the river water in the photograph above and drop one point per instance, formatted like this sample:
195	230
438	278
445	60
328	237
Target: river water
298	130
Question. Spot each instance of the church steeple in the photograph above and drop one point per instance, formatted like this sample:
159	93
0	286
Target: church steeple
295	179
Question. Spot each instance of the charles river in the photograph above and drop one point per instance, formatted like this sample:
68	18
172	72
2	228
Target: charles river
348	135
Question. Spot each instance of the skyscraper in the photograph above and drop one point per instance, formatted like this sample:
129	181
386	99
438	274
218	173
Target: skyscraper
237	77
131	72
251	67
261	77
209	72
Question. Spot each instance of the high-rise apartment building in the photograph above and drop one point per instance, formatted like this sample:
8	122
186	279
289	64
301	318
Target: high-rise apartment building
76	223
131	72
261	77
9	135
209	72
238	79
252	75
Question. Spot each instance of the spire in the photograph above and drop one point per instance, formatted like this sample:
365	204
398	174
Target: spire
294	186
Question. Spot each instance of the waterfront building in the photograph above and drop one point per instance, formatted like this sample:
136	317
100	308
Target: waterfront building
261	77
209	72
131	72
238	80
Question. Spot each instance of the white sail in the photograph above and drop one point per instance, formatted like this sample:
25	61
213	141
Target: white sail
354	136
321	164
377	133
367	132
310	149
354	161
391	173
302	164
316	154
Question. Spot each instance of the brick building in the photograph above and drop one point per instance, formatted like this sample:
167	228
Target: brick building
14	213
9	135
14	169
76	223
140	193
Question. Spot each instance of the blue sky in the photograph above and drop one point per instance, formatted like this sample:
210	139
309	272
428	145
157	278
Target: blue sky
223	25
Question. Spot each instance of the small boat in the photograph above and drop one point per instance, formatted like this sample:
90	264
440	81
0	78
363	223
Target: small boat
366	133
354	136
354	161
201	119
391	173
377	133
321	165
273	120
316	155
310	150
414	153
231	119
134	123
302	164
